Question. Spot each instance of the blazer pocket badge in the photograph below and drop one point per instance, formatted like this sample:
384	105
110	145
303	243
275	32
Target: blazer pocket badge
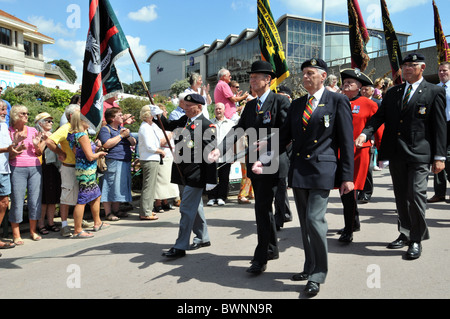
356	109
422	110
267	118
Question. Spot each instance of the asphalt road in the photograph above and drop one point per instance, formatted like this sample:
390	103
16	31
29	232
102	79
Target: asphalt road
125	262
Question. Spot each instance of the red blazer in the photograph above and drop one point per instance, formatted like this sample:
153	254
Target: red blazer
362	110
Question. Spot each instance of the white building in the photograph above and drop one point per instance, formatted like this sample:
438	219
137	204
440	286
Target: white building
301	38
22	55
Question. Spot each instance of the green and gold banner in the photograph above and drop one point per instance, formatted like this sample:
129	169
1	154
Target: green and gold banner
392	45
441	41
270	43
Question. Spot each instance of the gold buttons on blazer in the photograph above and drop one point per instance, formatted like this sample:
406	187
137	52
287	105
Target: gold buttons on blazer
315	141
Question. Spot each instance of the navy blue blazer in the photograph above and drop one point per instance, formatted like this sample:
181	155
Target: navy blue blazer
417	133
323	154
196	171
272	115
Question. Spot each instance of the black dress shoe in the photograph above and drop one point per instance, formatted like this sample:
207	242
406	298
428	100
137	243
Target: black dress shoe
346	237
167	207
174	253
400	242
355	229
414	250
195	246
436	199
271	255
256	268
312	288
300	276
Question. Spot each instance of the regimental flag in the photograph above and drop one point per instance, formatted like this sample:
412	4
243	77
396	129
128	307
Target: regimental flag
105	43
392	44
441	41
270	43
359	36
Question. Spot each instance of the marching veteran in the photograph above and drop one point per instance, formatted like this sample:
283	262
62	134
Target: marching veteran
414	137
362	110
197	132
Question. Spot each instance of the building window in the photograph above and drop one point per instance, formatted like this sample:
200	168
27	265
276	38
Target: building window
27	47
5	67
5	36
36	50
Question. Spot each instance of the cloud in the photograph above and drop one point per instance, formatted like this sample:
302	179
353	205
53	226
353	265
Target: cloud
72	51
139	50
48	26
238	5
145	14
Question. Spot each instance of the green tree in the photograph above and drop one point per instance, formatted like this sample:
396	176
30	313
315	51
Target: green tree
136	88
66	67
179	86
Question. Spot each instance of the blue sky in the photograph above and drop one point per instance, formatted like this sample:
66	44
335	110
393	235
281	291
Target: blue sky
173	24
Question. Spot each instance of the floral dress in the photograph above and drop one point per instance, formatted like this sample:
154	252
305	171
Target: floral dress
86	171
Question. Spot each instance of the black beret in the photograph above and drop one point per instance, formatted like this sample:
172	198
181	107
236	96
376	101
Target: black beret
315	63
414	57
284	89
357	75
195	98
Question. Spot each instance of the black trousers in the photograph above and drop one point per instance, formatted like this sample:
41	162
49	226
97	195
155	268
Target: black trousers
221	190
264	188
410	183
351	214
282	208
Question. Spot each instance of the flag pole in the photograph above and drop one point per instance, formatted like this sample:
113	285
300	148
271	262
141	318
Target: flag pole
159	118
323	31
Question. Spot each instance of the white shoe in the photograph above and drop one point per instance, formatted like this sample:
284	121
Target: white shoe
220	202
211	202
376	168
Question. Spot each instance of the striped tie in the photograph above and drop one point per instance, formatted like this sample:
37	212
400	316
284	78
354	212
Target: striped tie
308	112
258	105
406	98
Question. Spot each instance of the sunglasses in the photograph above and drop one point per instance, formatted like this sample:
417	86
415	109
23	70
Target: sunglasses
24	114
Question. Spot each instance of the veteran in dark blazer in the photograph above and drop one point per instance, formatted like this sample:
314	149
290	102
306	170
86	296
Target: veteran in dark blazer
414	138
319	125
261	115
195	133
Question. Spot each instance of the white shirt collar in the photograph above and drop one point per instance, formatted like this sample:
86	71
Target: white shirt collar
317	96
263	97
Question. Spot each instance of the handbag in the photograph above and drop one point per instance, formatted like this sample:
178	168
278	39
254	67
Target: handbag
101	161
102	167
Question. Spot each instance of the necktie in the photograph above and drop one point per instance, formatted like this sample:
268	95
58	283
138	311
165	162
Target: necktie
445	86
258	105
406	98
308	112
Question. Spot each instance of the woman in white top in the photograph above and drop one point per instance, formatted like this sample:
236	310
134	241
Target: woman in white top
196	86
164	189
332	84
150	156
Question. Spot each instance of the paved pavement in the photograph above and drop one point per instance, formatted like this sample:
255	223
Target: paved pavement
125	260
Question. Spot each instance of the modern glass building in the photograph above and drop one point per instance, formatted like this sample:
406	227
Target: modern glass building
301	37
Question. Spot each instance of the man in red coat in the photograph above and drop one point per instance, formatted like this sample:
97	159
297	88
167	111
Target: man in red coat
362	110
